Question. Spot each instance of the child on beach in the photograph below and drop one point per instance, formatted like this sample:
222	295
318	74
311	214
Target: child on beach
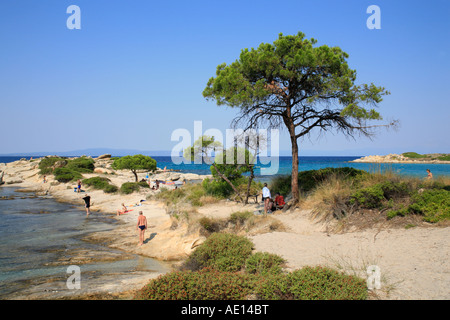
79	185
141	226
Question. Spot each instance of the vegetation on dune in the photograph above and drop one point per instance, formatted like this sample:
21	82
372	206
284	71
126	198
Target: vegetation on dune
224	268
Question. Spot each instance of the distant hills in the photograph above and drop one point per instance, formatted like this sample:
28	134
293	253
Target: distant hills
94	152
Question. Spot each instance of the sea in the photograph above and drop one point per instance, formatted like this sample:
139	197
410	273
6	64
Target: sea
38	235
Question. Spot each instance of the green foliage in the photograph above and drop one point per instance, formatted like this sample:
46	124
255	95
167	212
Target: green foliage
196	192
374	196
82	165
433	204
100	183
133	163
413	155
217	188
129	187
444	158
221	251
310	179
264	263
313	283
206	284
233	170
66	175
240	217
46	164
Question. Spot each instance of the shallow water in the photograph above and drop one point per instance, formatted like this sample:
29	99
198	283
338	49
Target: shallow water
40	238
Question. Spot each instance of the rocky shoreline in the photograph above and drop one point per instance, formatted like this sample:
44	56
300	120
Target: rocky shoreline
398	158
163	243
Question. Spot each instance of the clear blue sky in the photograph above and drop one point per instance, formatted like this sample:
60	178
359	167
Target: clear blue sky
136	70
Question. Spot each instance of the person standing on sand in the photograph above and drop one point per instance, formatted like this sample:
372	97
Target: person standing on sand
79	185
141	226
87	203
430	175
266	197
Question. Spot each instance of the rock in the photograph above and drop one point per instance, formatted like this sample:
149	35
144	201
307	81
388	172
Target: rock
104	156
102	170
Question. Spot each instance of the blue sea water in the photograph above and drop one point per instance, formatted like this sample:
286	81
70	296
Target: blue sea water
37	230
39	236
284	166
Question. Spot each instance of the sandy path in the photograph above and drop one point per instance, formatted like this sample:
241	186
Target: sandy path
414	263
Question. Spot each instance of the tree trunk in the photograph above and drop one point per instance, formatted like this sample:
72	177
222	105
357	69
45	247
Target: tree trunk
135	175
294	180
294	177
250	179
228	181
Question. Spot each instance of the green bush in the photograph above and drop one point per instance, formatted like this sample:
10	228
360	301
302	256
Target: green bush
374	196
82	165
100	183
310	179
264	263
194	195
129	187
46	164
66	175
444	158
413	155
312	283
217	188
143	184
433	204
240	217
206	284
221	251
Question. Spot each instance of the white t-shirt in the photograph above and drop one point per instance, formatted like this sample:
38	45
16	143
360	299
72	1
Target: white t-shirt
266	192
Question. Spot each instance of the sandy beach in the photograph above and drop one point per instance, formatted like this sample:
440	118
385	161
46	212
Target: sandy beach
414	262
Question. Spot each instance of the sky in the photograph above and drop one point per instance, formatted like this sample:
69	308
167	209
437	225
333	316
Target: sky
135	70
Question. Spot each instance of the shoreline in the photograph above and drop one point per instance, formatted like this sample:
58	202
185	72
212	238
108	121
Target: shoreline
414	261
396	158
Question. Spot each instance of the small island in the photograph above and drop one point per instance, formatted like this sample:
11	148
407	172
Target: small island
408	157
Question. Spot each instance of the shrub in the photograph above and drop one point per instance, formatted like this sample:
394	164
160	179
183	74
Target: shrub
143	184
82	165
312	283
433	204
413	155
240	217
374	196
195	193
221	251
217	188
66	175
100	183
129	187
264	263
310	179
444	158
46	164
206	284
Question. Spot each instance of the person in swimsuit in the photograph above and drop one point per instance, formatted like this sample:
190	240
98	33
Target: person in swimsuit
124	210
430	175
87	203
79	185
141	226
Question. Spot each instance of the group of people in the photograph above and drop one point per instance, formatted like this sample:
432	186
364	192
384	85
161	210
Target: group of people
270	204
